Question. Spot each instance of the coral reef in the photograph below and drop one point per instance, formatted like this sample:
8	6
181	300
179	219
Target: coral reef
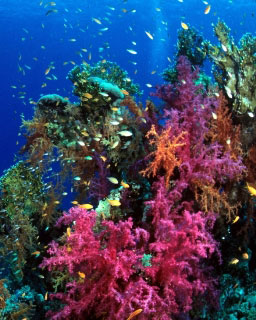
234	67
162	197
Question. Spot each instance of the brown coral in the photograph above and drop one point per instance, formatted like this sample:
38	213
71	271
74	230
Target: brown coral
223	130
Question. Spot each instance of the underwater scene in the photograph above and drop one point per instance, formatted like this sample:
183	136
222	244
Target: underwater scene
128	167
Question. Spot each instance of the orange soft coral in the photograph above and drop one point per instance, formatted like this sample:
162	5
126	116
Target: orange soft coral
165	154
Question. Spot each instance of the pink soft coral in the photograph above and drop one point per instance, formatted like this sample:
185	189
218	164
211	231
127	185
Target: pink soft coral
116	282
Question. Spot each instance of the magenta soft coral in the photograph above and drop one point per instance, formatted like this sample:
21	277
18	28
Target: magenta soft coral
182	241
116	283
111	262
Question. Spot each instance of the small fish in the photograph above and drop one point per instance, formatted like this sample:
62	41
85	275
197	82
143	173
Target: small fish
81	274
97	20
234	261
134	313
81	143
47	70
114	203
125	185
85	133
36	253
245	256
214	115
86	206
72	40
125	92
115	144
207	9
184	25
46	296
74	202
77	178
149	85
68	232
103	158
224	48
125	133
113	180
251	190
88	95
131	51
51	11
236	219
228	91
149	35
114	123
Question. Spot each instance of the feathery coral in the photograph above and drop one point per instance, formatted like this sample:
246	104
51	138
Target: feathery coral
165	155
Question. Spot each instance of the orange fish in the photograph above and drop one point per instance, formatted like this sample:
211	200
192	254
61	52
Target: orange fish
36	253
207	9
125	92
81	274
134	313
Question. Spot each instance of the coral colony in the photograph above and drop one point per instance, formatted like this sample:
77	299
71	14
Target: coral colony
162	217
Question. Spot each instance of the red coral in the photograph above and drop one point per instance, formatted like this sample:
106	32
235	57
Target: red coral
116	283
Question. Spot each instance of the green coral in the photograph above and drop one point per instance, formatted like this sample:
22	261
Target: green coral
189	44
20	186
103	81
146	260
235	67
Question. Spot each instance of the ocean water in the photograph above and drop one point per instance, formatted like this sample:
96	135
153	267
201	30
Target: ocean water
41	41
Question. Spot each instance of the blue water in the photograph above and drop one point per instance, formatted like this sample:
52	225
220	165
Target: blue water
32	40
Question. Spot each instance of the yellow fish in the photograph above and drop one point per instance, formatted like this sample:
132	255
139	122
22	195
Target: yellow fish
251	190
114	203
113	180
236	219
86	206
88	95
103	158
125	185
81	274
134	313
68	231
149	35
96	20
184	25
234	261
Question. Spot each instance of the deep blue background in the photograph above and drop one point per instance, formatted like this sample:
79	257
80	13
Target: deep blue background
25	28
